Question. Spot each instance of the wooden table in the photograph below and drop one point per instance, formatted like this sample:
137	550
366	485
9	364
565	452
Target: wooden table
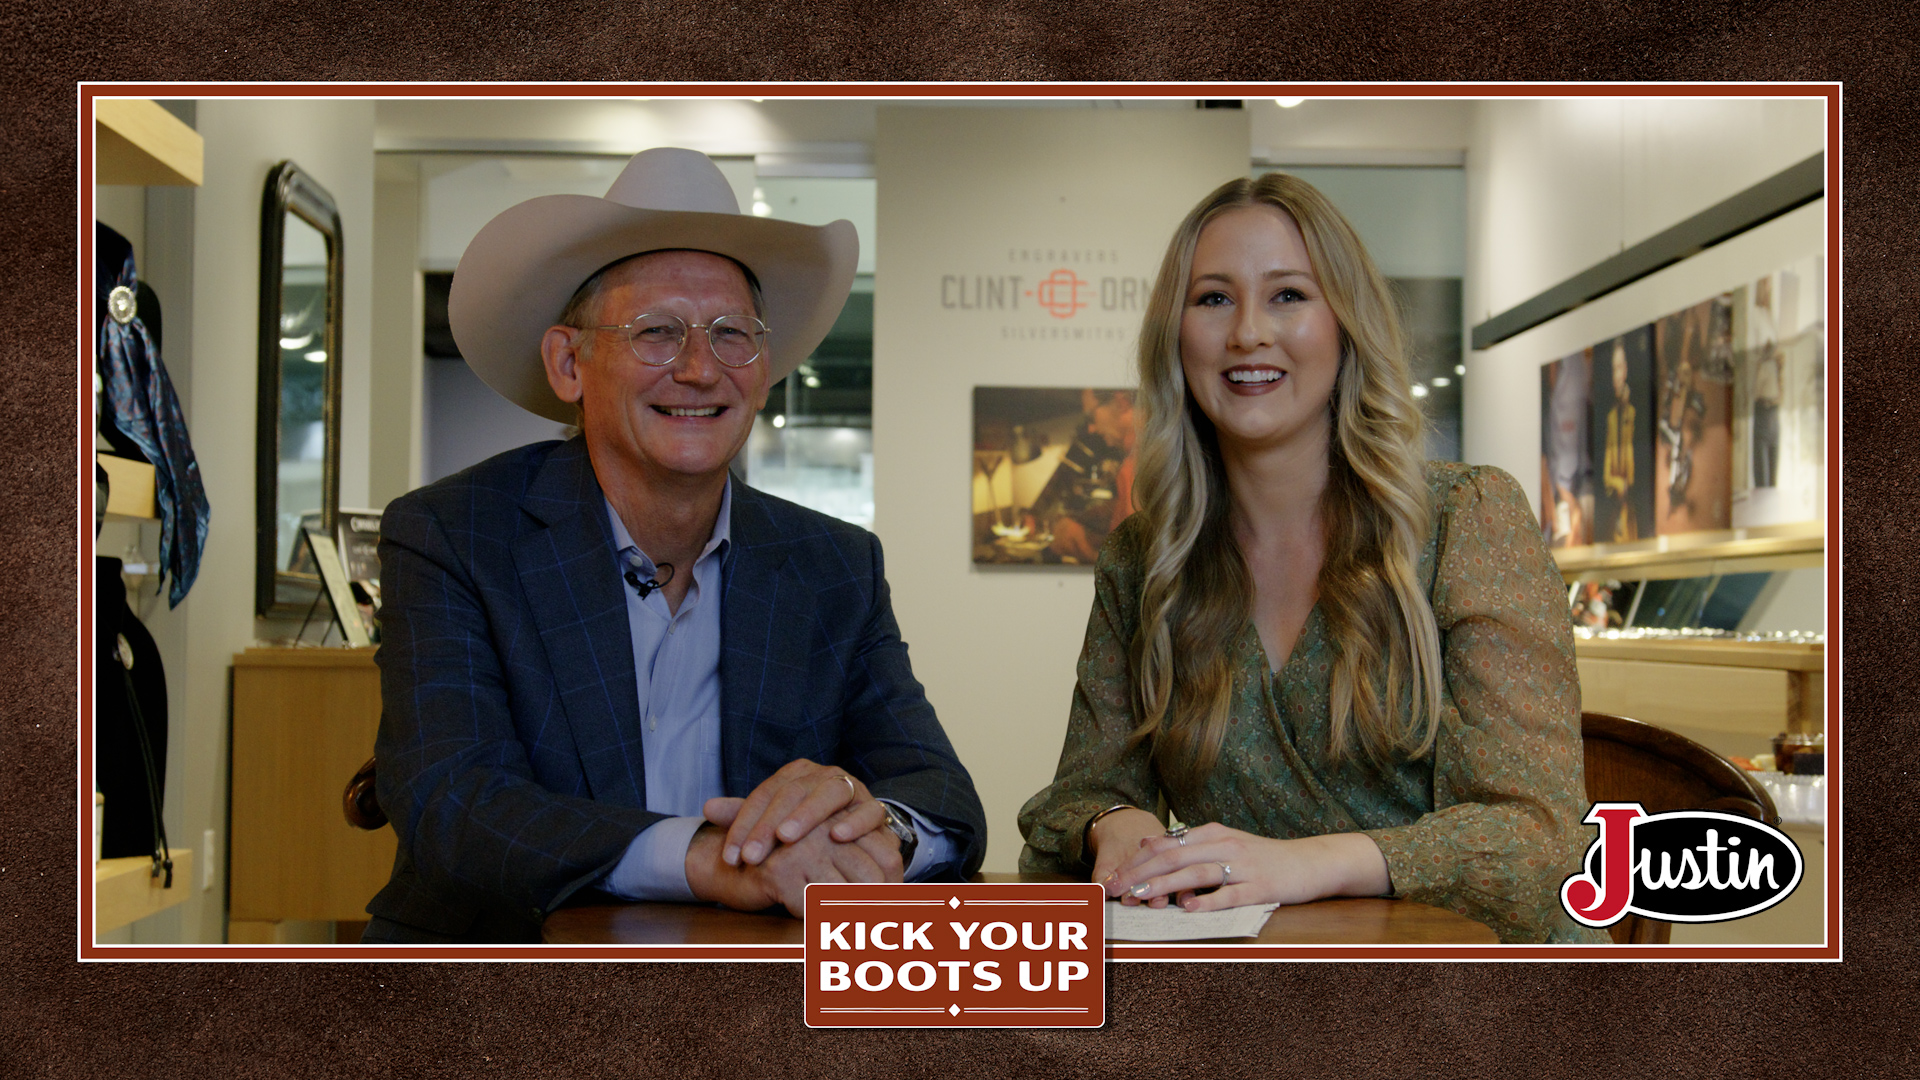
1325	922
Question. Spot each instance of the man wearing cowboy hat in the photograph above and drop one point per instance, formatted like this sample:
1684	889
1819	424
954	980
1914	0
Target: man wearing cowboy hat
604	664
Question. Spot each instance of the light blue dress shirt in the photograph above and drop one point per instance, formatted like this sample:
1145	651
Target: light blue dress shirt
676	669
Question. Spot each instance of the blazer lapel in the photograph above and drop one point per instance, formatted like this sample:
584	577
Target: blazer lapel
572	585
766	618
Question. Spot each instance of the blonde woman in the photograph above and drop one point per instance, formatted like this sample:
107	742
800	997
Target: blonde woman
1351	670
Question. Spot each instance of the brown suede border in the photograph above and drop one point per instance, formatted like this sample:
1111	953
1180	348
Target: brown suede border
569	1020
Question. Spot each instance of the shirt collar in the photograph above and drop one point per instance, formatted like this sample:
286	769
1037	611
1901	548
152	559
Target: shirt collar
722	529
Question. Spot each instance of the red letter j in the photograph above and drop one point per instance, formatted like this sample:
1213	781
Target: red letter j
1580	894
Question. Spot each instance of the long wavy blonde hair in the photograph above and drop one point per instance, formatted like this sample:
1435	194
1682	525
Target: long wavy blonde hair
1386	675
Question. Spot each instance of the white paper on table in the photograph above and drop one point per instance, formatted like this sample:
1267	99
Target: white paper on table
1142	923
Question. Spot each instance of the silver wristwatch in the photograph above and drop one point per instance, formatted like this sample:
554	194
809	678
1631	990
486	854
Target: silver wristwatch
902	827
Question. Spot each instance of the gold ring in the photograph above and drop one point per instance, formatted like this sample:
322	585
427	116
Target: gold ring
852	791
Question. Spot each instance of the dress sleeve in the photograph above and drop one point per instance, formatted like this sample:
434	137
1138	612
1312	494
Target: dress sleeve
1097	769
1508	785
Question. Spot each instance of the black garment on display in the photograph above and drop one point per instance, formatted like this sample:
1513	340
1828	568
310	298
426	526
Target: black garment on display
129	724
141	413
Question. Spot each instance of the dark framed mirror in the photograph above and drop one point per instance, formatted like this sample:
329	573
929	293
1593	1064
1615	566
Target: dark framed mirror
297	470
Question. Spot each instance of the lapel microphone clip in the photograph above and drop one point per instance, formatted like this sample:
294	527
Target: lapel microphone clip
646	588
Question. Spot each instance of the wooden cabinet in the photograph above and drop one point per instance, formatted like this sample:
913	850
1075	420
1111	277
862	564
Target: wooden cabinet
303	721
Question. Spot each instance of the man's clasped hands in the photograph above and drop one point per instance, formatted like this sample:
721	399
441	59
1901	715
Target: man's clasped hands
805	823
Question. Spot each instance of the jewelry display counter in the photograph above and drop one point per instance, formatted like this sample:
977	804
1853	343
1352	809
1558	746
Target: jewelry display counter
1729	687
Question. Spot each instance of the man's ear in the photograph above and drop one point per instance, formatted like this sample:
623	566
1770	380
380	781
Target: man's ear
560	353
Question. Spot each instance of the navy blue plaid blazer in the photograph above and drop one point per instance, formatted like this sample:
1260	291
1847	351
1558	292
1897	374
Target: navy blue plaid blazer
509	746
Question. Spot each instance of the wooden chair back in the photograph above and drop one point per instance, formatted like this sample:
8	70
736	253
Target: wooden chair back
1633	761
358	801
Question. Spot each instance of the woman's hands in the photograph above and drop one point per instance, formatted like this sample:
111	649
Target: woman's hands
1117	835
1213	867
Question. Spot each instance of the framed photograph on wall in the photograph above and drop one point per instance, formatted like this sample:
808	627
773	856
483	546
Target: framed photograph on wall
1622	438
1779	397
1566	456
1693	425
1052	472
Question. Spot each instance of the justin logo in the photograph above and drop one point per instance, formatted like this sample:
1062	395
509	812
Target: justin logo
1682	866
1059	293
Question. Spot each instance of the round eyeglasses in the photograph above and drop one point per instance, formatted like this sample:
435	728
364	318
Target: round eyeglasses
659	339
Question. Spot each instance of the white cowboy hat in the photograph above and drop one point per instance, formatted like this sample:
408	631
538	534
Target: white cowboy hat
523	266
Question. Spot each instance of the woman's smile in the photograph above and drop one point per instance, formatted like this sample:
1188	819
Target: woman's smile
1253	379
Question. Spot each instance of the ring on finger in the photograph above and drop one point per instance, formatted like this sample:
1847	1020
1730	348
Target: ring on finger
1226	874
853	793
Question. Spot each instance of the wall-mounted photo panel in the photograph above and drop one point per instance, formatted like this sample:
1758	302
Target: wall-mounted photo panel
1693	400
1566	456
1052	472
1778	431
1623	425
1712	417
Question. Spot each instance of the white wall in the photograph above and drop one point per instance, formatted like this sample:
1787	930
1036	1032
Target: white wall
217	360
961	191
397	376
818	130
1554	187
466	422
123	208
1360	131
1411	219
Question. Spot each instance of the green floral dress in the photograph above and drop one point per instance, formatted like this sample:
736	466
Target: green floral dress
1489	825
